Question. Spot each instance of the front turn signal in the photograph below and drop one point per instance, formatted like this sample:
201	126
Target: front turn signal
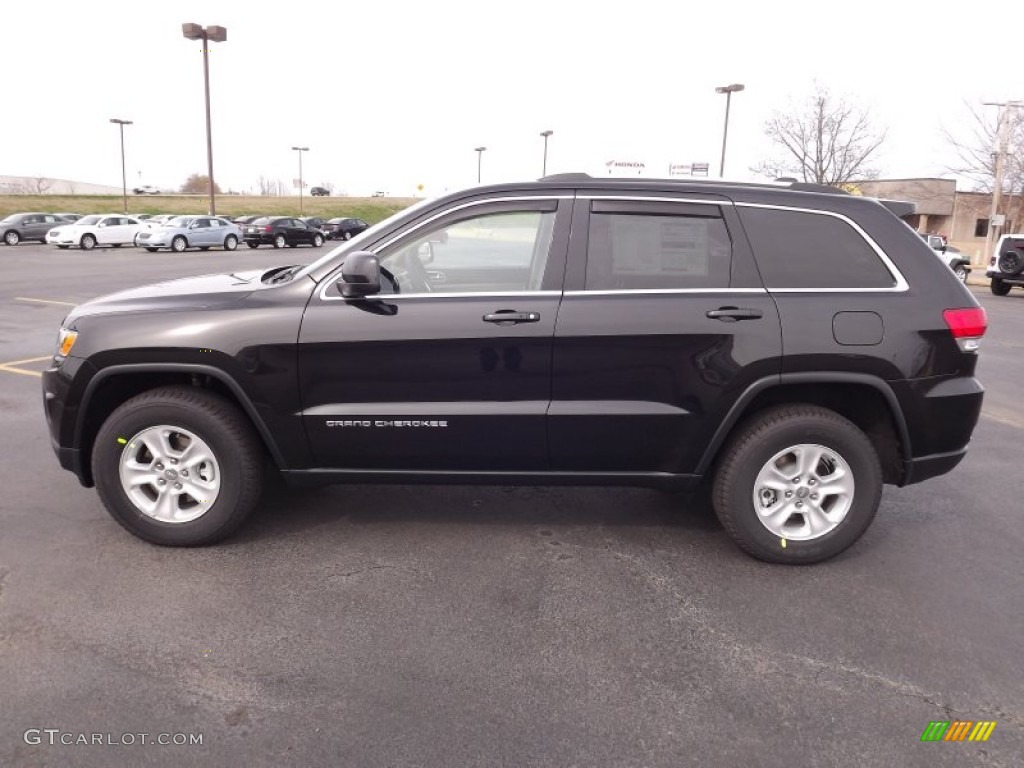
65	341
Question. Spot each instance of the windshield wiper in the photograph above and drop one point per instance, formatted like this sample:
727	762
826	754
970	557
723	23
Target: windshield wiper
285	275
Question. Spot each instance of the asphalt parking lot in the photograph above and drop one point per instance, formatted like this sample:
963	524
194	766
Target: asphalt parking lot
449	626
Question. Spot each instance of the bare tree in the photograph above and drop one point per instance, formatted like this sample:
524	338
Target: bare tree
976	150
266	186
827	140
39	184
280	188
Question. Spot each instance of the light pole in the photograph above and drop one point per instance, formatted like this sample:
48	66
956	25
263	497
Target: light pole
124	180
544	168
207	35
479	161
1002	139
300	150
728	90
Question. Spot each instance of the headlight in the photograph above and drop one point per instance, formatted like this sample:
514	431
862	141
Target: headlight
65	341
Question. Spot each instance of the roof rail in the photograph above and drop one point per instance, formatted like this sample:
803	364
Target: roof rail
567	177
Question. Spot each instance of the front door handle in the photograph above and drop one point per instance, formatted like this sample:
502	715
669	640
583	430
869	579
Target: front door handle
511	317
732	314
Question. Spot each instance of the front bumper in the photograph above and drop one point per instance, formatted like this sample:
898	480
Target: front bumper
62	416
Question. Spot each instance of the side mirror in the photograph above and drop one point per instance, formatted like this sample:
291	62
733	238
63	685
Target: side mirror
360	275
425	252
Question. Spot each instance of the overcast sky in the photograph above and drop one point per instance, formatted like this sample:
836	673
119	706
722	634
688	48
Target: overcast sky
391	95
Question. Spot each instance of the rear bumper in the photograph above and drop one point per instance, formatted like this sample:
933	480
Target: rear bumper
941	415
996	275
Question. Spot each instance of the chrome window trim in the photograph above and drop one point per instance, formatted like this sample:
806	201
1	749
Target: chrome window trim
335	274
637	198
901	282
649	291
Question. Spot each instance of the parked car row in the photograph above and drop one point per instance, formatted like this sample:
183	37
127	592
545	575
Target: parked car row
173	231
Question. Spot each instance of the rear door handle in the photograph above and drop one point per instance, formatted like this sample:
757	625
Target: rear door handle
732	314
511	317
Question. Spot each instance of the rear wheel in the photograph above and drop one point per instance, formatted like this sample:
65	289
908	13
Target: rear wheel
230	243
347	236
88	242
797	484
999	288
252	244
279	241
179	244
178	466
318	240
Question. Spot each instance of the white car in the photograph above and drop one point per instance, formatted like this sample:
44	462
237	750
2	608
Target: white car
146	189
88	232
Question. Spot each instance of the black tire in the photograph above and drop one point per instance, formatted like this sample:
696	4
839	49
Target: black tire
88	242
347	236
1011	262
279	241
62	247
152	250
230	243
961	273
115	245
998	287
204	247
179	244
11	237
251	244
215	420
318	240
751	447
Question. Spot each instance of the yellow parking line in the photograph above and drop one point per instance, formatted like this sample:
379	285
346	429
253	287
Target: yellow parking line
46	301
12	363
23	372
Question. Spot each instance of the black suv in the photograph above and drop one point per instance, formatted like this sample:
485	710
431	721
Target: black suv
797	346
280	231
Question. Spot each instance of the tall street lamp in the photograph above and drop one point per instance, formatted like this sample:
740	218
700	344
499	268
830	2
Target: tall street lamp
207	35
124	180
545	134
479	161
300	150
728	90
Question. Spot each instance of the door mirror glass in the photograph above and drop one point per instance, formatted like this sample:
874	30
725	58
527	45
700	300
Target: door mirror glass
360	275
426	252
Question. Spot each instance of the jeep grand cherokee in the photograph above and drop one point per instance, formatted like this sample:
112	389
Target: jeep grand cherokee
796	346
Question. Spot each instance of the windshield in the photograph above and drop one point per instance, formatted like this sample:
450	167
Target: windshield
88	220
178	221
362	237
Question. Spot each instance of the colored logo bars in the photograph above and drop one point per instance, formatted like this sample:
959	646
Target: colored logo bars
958	730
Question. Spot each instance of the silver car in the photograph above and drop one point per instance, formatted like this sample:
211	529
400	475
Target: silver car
184	232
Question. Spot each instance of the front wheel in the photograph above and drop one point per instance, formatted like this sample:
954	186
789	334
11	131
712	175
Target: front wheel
230	243
179	244
178	466
347	236
797	484
87	243
12	238
999	288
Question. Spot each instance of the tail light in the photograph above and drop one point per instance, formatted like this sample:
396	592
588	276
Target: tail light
268	228
967	326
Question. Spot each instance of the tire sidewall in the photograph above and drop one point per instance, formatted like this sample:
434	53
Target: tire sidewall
230	243
106	471
858	454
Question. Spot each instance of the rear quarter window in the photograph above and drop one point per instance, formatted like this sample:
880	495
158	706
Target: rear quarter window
796	249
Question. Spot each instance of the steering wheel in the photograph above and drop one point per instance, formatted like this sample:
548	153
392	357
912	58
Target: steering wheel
406	267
